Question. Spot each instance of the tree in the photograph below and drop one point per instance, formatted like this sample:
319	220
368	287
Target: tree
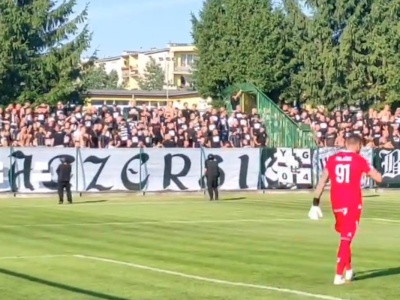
95	77
354	57
241	41
153	79
345	53
296	36
40	50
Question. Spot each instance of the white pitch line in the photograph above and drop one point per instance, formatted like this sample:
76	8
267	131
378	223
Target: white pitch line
97	204
211	280
156	222
266	220
35	256
382	220
88	203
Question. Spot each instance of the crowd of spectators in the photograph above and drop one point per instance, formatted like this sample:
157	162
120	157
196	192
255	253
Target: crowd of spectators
135	127
142	126
377	128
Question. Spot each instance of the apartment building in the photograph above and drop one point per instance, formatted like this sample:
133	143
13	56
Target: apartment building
176	60
112	64
184	56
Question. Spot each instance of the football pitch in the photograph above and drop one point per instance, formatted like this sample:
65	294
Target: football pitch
184	247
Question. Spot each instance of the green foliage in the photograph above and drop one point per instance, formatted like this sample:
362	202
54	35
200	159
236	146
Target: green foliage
40	50
241	41
359	65
347	52
96	77
218	103
153	79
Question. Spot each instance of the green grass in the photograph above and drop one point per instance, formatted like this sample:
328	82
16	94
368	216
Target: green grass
264	240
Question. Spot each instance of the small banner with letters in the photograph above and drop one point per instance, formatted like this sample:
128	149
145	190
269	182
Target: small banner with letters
388	163
321	156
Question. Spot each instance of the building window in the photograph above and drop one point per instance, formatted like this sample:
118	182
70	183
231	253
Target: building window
190	60
96	102
186	60
121	102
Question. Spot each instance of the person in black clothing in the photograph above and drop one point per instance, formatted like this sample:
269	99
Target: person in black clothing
212	176
58	137
169	142
64	177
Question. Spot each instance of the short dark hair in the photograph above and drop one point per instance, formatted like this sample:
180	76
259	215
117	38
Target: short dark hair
354	139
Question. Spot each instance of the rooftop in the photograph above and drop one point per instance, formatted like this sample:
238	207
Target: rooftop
139	93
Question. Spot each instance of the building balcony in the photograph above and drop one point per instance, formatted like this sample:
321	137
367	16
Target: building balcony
133	68
125	73
183	70
134	73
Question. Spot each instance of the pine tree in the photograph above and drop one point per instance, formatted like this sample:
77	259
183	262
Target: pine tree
153	78
352	57
40	50
295	36
241	41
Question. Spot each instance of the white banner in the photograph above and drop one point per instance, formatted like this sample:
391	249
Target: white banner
33	170
173	169
239	167
321	156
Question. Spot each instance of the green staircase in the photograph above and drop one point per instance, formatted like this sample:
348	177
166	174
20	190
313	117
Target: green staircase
281	129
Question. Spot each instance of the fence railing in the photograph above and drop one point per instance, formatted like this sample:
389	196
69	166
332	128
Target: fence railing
282	130
33	170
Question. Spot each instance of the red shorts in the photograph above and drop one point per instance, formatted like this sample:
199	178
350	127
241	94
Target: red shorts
347	221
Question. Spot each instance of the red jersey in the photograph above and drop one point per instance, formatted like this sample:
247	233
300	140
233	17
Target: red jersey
345	173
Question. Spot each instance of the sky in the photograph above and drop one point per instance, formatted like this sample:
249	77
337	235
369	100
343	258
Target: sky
123	25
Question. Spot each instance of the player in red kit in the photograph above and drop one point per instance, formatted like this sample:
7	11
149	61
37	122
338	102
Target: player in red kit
344	170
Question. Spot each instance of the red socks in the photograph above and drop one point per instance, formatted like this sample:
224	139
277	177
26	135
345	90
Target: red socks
343	257
348	265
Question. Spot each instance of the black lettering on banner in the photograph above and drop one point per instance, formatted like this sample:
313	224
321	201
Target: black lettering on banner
269	169
202	181
26	171
302	169
93	184
320	159
244	167
286	168
129	185
52	185
322	163
168	176
387	162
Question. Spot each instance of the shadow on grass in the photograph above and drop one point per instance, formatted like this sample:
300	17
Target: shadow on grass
377	273
59	285
371	196
90	201
234	198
